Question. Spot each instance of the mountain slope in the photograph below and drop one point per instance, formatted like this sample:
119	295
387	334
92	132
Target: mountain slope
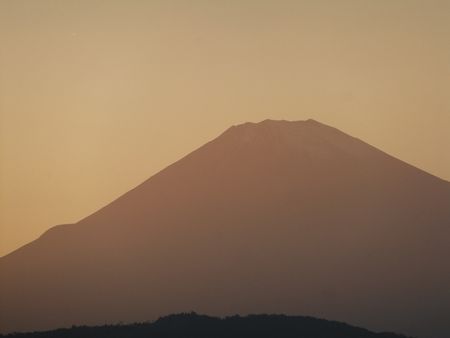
287	217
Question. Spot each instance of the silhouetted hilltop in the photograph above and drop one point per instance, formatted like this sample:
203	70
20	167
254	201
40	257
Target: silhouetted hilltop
192	325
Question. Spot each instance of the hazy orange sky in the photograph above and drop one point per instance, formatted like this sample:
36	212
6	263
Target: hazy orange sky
96	96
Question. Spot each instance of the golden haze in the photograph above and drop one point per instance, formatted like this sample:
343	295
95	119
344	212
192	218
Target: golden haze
97	96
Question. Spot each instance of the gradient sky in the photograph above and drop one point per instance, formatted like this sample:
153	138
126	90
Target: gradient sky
96	96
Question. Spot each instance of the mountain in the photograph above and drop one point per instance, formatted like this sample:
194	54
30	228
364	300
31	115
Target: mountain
270	217
197	326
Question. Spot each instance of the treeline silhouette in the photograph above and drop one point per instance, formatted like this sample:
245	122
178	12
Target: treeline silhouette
192	325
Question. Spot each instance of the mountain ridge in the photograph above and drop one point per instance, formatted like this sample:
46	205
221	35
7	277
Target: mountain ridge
288	217
310	122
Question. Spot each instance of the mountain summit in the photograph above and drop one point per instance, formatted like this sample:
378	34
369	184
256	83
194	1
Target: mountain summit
270	217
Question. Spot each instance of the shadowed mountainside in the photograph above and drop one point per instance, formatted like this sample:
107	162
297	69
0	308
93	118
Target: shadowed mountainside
270	217
196	326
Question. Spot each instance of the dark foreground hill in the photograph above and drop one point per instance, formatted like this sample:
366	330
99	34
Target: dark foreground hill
269	217
199	326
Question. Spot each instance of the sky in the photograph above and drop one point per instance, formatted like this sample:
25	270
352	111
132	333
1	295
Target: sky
97	96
